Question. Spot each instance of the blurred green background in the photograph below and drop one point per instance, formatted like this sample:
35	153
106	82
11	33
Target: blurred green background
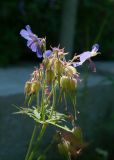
92	21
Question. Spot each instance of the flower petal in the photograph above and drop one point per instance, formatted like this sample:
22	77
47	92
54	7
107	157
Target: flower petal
28	28
84	56
76	64
38	52
29	42
95	47
34	47
25	34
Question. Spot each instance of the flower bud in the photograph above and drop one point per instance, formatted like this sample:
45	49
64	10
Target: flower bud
67	83
49	76
35	87
28	88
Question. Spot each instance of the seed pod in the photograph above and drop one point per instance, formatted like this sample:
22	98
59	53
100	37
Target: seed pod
58	67
64	82
70	71
28	88
77	132
64	148
68	84
35	87
48	62
49	76
73	84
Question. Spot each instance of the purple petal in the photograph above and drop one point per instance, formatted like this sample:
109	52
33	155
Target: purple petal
76	64
38	52
48	53
28	28
84	56
25	34
34	47
29	42
95	47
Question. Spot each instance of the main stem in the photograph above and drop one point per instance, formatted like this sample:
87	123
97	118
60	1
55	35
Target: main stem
33	134
33	153
31	143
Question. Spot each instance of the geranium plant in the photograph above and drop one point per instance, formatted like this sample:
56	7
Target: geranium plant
53	83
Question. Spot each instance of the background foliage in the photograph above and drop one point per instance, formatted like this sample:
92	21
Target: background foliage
94	24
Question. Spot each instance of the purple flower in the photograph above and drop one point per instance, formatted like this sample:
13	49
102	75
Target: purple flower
47	53
86	55
33	42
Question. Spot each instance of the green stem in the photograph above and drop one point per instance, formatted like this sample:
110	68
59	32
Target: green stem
74	106
41	133
101	29
48	147
31	142
42	101
37	99
59	126
35	150
54	100
65	102
34	132
69	157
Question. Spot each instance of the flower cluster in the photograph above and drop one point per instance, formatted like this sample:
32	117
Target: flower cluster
55	64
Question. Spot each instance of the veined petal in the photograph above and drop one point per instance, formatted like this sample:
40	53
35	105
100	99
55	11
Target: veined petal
38	52
29	42
25	34
33	47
